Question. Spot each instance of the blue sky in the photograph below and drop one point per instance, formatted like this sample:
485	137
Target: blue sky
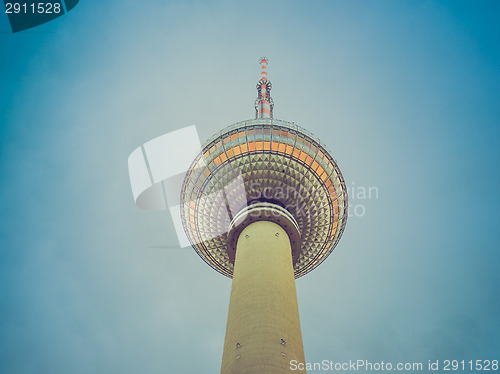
404	94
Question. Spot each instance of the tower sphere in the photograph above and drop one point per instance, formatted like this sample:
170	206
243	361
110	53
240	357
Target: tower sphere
264	169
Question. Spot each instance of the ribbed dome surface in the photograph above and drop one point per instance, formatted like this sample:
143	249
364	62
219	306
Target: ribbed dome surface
266	160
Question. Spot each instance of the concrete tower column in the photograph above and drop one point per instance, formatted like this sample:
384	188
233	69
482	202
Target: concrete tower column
263	329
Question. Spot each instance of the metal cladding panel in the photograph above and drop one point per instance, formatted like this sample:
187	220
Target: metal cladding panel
264	160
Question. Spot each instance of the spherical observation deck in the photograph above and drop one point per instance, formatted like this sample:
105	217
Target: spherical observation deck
262	162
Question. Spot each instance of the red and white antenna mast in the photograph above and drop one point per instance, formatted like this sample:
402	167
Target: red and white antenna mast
264	103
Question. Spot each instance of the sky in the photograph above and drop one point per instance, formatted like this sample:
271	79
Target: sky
405	96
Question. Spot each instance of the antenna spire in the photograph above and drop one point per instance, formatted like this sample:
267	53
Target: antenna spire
264	103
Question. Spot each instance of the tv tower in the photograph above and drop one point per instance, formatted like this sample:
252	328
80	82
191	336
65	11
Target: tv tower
263	203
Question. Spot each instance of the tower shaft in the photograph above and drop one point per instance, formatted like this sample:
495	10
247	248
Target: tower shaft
263	328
